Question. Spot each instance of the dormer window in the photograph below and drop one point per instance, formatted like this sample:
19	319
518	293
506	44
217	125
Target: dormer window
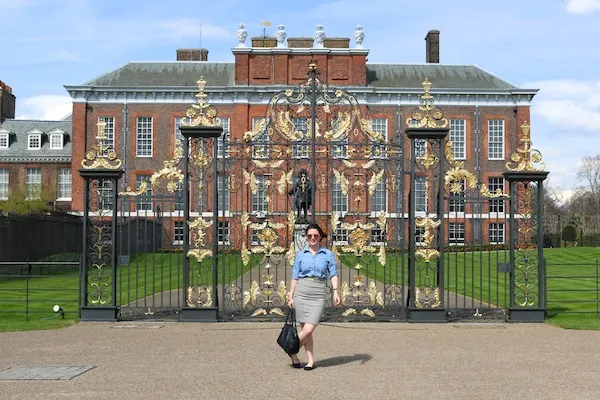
56	141
4	141
34	141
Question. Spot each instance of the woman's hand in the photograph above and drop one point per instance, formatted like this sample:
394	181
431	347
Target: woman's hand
291	301
336	298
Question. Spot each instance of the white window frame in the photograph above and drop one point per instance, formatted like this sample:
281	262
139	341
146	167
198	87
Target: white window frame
421	193
457	201
104	193
65	184
223	232
109	131
378	236
456	233
258	201
458	137
59	138
33	176
223	194
223	140
339	200
380	125
496	138
381	194
262	138
178	233
4	141
177	122
144	201
420	147
34	136
340	236
419	236
300	147
4	183
144	136
499	229
496	205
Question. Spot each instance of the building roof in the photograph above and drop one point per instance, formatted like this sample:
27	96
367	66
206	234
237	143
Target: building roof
19	129
186	73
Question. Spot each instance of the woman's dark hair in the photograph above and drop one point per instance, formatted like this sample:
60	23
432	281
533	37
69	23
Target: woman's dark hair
316	226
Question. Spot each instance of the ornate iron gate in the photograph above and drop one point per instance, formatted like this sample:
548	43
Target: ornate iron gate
213	234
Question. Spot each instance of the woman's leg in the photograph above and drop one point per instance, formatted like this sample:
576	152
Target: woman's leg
306	340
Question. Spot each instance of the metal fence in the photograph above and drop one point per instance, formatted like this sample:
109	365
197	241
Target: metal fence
31	289
40	237
573	288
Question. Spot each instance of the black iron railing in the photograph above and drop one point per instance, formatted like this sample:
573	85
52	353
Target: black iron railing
573	288
31	289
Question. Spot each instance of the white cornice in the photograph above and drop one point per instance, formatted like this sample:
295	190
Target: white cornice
299	51
263	94
26	159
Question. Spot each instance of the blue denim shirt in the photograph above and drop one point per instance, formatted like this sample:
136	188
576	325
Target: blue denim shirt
318	266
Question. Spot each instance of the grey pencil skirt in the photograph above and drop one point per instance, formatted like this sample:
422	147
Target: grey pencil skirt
310	298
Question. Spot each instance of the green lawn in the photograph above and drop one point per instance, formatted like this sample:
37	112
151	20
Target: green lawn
573	302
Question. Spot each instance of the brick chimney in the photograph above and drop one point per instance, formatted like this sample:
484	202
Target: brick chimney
7	102
432	47
192	54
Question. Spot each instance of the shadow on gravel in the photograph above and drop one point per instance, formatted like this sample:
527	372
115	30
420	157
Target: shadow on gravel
340	360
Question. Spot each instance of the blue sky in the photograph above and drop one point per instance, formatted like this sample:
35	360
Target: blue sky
551	45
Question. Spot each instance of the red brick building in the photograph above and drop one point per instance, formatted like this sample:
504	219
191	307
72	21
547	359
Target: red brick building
35	157
142	104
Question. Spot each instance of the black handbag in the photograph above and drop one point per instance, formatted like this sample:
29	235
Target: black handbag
288	338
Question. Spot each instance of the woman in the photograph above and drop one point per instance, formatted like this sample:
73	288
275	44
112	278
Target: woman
308	289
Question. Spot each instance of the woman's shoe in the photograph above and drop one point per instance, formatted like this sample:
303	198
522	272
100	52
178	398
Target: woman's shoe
295	365
309	367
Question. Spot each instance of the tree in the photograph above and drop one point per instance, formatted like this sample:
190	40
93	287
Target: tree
18	203
569	233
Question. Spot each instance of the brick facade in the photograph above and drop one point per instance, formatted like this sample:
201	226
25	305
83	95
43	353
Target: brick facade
256	71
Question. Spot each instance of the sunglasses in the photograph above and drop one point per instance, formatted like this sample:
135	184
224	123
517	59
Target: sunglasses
315	235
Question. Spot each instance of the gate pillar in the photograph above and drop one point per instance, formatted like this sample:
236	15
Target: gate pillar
427	131
98	275
527	266
200	128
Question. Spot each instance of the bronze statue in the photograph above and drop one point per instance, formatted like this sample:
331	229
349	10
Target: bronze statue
301	194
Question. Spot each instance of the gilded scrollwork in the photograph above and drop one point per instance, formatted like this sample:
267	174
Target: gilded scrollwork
525	158
376	179
201	113
131	192
199	296
170	171
427	115
358	238
101	155
340	177
284	180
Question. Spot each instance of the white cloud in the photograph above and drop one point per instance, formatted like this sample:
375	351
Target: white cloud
569	104
45	107
583	6
566	126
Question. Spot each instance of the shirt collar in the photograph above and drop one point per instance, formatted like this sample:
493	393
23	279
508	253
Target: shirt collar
321	250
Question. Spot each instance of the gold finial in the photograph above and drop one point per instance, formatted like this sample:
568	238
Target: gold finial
201	113
265	23
101	155
312	65
525	157
428	115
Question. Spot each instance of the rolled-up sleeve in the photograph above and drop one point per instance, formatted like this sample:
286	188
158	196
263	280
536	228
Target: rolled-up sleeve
296	268
332	265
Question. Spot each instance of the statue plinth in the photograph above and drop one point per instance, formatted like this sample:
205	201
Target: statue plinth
300	241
